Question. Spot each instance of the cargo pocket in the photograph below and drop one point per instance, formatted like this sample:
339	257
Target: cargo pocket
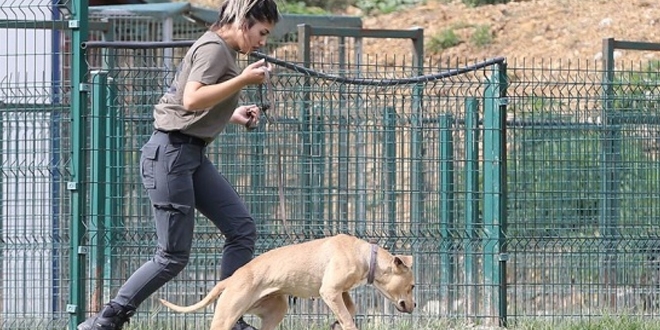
147	164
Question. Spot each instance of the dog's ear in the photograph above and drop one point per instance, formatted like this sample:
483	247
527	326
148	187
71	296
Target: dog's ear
406	261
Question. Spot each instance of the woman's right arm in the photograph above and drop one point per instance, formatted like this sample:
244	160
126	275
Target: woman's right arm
197	96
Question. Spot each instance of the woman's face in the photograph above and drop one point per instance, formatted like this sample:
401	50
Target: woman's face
254	37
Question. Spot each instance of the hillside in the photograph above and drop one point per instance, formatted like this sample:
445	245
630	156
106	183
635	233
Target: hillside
560	30
566	30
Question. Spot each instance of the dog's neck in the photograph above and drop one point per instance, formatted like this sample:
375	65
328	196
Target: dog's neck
372	264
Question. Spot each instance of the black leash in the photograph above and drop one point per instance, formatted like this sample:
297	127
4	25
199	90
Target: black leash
264	107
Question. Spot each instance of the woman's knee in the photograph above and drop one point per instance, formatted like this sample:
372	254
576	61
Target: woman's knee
172	262
245	233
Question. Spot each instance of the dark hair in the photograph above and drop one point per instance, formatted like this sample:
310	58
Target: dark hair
261	11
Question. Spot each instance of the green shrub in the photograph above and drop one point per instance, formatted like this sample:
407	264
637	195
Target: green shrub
482	36
384	6
444	40
327	4
637	90
300	7
476	3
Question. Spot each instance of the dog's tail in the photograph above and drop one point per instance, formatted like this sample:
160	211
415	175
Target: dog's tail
210	297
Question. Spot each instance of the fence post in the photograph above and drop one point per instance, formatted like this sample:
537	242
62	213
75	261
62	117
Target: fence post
318	158
114	180
495	256
471	199
417	218
389	148
416	175
447	200
343	191
360	147
79	35
610	179
97	185
304	40
114	171
343	115
56	152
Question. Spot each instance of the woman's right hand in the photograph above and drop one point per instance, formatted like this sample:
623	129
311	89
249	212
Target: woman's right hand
255	73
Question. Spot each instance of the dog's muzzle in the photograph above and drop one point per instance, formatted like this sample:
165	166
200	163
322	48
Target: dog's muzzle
403	307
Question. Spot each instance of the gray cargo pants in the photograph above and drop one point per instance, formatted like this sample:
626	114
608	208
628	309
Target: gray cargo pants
179	178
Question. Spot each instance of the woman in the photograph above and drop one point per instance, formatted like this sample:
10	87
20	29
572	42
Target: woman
178	176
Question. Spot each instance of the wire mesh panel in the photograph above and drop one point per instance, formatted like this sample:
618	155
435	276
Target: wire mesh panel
136	23
377	158
33	112
582	190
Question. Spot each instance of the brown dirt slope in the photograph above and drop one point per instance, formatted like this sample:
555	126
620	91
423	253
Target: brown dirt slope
558	30
567	30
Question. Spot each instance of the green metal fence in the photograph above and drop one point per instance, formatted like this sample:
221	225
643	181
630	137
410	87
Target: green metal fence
369	156
34	143
582	186
522	188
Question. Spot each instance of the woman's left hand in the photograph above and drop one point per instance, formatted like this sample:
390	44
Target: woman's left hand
246	115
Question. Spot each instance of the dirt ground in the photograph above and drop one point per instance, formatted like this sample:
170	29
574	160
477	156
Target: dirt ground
565	30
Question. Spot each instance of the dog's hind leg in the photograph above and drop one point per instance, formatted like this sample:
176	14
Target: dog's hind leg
271	310
230	306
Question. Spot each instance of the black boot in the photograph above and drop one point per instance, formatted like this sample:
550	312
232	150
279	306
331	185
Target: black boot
111	317
241	325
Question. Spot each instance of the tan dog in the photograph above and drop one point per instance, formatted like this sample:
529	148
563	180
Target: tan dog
327	267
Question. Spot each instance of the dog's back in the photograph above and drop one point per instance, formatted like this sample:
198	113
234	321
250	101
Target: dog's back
290	265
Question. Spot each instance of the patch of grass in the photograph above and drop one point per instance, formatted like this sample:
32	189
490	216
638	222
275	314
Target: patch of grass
605	322
443	40
461	25
591	323
482	36
475	3
376	323
299	7
385	6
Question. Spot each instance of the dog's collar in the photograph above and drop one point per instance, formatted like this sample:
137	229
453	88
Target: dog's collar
372	264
